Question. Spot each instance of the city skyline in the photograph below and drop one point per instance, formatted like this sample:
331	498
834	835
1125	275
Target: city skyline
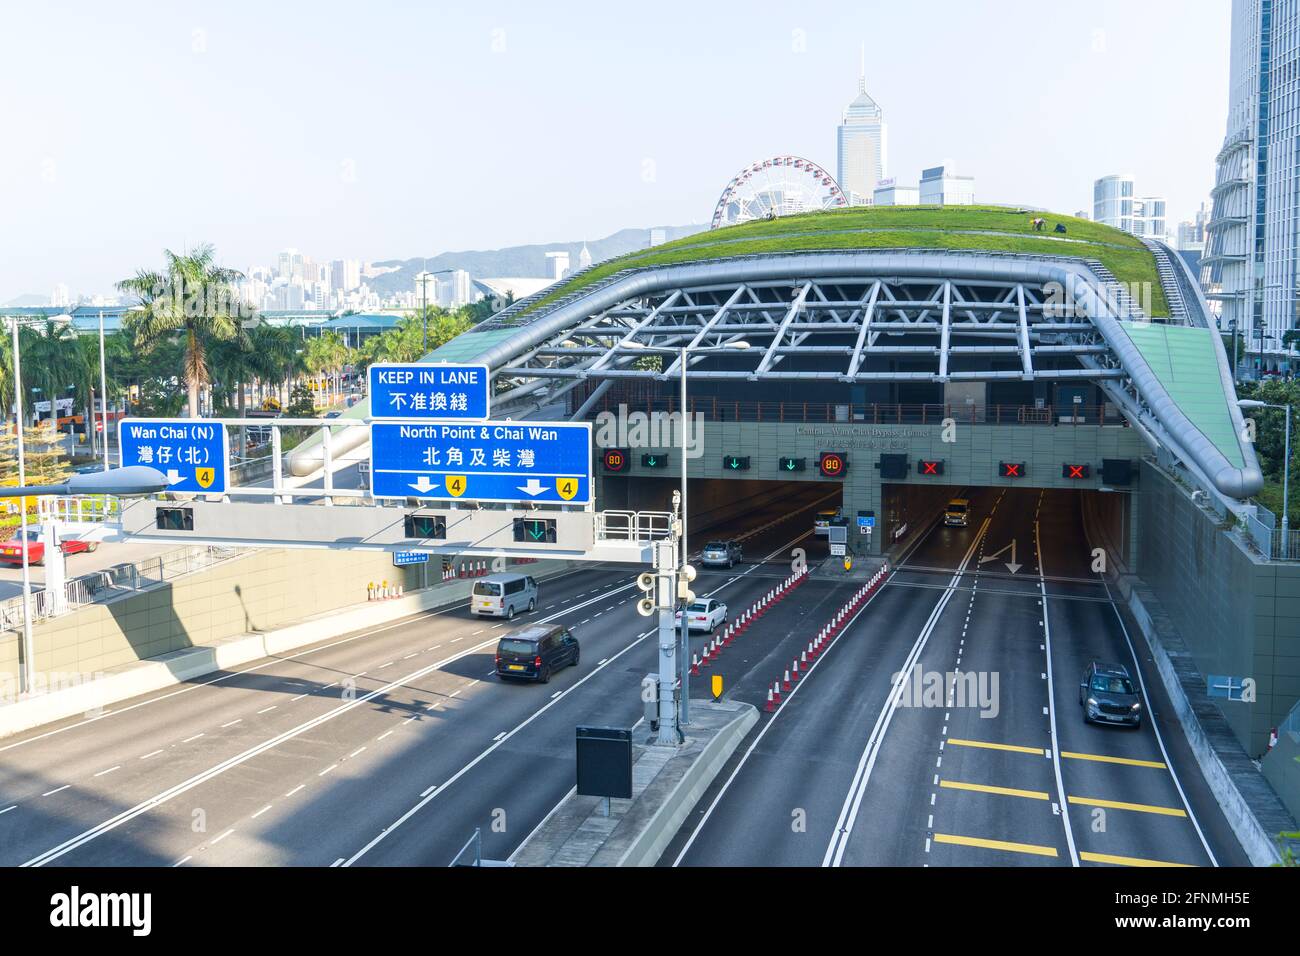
356	195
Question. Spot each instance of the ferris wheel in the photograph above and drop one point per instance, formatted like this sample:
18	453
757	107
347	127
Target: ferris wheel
780	186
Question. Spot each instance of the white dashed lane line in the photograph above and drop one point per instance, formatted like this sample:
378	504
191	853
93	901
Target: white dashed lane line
7	809
260	812
151	754
236	721
50	793
188	739
109	770
265	709
295	790
222	837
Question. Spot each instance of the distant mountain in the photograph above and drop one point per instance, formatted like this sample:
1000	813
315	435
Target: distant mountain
518	260
26	301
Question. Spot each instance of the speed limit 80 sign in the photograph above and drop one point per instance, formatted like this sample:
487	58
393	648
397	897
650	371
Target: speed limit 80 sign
833	464
615	459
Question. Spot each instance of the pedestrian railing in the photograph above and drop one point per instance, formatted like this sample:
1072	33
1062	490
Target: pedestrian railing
120	579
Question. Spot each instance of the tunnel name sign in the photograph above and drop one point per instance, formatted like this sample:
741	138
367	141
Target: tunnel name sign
193	453
421	390
485	461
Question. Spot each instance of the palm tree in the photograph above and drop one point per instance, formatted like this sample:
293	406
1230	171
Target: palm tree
192	298
53	362
275	356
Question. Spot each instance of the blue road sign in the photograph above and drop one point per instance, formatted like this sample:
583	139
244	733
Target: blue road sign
424	391
192	453
486	461
402	558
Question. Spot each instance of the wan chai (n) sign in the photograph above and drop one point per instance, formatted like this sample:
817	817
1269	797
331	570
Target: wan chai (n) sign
483	461
192	452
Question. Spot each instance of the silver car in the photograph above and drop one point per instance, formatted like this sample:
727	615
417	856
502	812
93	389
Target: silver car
720	554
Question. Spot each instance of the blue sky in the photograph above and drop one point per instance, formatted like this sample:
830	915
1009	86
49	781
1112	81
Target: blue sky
389	129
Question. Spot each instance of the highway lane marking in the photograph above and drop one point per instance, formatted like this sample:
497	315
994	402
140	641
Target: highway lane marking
175	790
267	709
1121	805
151	754
1051	693
260	812
990	745
1126	860
50	793
1155	728
543	709
740	765
188	739
327	770
232	723
182	861
299	697
357	751
222	837
988	788
383	735
295	790
1031	848
835	849
269	661
503	733
8	808
1128	761
109	770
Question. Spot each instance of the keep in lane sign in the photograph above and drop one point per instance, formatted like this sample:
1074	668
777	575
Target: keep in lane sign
424	391
193	453
486	461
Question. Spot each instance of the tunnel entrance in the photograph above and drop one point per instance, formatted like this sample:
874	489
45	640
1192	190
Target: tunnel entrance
757	510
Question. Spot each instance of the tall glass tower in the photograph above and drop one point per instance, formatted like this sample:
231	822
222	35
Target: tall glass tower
861	145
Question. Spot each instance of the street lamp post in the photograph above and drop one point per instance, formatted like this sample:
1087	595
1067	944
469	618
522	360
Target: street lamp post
1286	469
25	663
684	639
424	302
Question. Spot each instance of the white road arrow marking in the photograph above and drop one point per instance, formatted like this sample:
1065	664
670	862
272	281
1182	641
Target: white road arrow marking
1011	565
533	487
423	484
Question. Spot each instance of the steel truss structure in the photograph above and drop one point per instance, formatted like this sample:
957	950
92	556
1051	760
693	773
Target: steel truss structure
854	317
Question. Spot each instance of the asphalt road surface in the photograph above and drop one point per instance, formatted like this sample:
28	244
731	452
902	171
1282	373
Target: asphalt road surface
848	773
384	747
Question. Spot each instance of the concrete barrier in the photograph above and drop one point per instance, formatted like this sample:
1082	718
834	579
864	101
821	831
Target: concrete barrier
667	783
89	698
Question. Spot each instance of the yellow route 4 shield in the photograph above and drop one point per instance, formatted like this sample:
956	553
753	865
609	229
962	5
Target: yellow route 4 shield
456	485
566	487
205	477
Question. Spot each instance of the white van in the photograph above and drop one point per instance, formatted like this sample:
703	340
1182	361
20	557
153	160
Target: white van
503	595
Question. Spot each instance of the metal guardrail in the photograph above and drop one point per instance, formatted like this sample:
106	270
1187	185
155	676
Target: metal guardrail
120	579
634	526
724	410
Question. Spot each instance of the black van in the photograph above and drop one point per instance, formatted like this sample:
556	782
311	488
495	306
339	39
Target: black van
535	651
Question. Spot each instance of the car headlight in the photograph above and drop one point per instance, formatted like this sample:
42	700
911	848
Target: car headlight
1136	707
1092	703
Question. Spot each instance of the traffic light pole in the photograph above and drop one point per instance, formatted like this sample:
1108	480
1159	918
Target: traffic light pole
666	571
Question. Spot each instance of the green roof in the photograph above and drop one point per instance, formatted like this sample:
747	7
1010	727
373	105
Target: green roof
977	228
468	345
1185	361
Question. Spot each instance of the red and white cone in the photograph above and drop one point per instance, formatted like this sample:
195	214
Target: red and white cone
786	683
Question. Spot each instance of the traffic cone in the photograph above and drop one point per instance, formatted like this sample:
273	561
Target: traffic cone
803	660
695	664
771	704
794	673
776	691
786	682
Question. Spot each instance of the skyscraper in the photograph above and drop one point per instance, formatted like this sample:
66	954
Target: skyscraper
1115	203
860	140
1252	240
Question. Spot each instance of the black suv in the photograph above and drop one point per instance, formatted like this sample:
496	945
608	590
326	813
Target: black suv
1108	696
535	651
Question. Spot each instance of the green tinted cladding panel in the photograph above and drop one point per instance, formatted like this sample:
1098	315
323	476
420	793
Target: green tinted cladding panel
1185	361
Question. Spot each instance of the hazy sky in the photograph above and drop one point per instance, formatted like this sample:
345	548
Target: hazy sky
382	129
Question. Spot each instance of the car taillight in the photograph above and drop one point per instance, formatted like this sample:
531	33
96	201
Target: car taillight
498	658
537	661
